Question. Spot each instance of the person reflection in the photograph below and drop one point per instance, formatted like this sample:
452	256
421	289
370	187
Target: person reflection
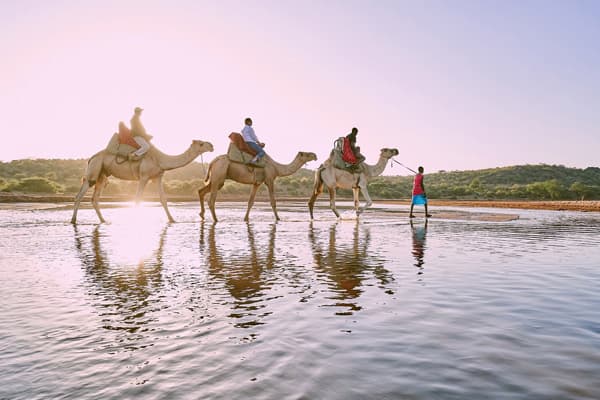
344	267
239	261
419	234
122	294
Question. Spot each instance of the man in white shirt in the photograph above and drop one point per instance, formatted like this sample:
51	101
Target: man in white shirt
252	140
139	134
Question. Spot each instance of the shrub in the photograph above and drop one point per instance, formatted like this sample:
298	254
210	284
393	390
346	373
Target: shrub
34	185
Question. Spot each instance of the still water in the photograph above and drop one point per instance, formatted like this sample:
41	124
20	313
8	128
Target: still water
458	308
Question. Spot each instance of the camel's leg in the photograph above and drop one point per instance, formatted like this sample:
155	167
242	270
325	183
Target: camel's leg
332	201
365	192
201	193
84	188
251	201
355	195
100	183
140	190
163	198
214	188
271	188
317	190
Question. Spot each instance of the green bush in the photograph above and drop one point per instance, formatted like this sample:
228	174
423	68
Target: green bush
34	185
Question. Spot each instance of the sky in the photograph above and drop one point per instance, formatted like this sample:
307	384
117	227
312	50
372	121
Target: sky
453	85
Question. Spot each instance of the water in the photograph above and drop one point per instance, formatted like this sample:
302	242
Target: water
371	309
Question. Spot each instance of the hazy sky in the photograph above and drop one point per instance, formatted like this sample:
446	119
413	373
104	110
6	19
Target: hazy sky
451	84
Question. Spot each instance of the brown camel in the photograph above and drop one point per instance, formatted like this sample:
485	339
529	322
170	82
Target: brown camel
151	167
221	168
335	178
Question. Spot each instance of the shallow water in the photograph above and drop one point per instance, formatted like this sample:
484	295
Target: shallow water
376	308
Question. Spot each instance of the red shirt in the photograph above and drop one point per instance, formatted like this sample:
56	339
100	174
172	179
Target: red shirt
418	185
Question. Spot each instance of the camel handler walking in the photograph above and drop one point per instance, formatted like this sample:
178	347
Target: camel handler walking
419	196
139	134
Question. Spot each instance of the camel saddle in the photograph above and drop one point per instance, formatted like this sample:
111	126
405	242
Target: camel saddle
240	152
122	143
340	146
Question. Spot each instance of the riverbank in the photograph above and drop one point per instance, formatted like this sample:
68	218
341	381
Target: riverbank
587	205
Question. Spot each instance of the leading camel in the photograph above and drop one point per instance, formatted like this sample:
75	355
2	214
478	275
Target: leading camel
152	167
335	178
222	168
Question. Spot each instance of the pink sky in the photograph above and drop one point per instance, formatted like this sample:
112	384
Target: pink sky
452	85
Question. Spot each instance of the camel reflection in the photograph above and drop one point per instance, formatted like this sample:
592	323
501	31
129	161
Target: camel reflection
346	268
123	294
240	263
419	234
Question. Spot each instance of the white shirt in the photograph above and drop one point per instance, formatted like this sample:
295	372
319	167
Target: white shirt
249	135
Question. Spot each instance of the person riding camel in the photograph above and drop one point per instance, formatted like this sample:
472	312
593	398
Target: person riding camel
355	149
139	134
252	141
351	152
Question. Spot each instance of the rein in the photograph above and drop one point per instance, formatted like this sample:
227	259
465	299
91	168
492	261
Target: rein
399	163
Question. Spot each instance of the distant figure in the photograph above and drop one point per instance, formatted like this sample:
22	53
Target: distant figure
355	149
139	134
252	141
419	196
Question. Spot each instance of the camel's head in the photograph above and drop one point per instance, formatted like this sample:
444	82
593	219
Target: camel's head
307	156
389	153
202	147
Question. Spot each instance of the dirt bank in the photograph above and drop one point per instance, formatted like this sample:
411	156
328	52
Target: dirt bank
591	205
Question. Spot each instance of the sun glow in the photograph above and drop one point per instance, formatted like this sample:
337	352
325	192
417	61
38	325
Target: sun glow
136	238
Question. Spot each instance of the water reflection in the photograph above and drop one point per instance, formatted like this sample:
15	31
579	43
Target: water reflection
345	268
124	294
241	263
419	234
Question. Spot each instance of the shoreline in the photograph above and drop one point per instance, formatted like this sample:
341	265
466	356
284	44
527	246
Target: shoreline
553	205
556	205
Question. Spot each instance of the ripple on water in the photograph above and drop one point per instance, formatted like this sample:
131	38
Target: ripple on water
369	308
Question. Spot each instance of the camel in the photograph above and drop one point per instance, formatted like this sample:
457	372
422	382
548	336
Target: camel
335	178
222	168
151	167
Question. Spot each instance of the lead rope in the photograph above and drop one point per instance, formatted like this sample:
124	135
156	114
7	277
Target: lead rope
399	163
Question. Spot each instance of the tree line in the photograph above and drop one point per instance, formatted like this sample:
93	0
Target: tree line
523	182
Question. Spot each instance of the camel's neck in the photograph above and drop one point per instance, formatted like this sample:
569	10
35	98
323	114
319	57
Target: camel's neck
377	169
168	162
286	169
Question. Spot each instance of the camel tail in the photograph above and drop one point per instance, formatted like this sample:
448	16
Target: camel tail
94	156
207	177
318	179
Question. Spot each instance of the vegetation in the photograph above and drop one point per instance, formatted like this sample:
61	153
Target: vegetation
523	182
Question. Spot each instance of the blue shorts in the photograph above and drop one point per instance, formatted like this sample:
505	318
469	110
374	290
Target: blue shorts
418	199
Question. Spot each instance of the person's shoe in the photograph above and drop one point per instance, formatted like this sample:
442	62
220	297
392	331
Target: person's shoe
411	216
